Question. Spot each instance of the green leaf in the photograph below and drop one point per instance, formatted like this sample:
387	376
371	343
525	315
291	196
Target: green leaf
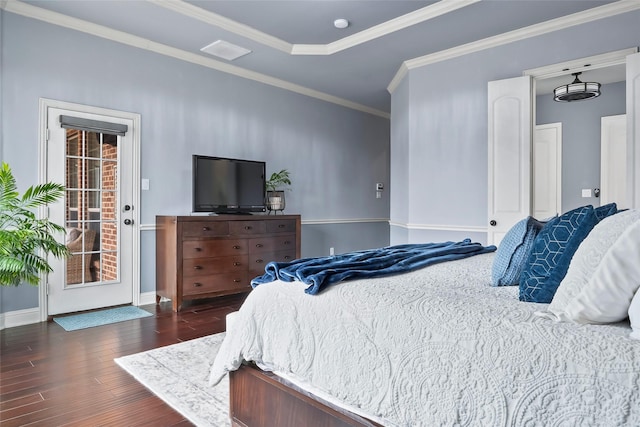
25	239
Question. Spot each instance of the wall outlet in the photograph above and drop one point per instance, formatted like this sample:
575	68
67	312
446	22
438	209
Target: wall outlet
586	192
332	251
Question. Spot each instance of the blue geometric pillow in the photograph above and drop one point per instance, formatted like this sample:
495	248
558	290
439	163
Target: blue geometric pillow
513	252
552	252
607	210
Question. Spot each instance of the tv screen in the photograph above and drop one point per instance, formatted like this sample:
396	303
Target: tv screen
223	185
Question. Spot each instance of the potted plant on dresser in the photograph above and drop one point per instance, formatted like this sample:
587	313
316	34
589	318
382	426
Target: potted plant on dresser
25	240
276	185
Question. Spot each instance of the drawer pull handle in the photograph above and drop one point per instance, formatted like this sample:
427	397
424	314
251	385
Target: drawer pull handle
248	227
237	263
197	285
259	261
259	245
286	242
205	229
197	267
197	249
287	257
281	226
237	280
236	247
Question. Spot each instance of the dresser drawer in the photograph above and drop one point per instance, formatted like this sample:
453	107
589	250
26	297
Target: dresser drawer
205	229
216	283
257	262
213	248
272	244
244	228
281	226
198	267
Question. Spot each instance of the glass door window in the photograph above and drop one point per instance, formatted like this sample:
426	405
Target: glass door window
91	207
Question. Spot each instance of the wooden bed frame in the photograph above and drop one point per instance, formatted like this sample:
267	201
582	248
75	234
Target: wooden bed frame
262	399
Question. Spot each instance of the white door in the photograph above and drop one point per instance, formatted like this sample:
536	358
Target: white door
547	170
509	169
96	167
633	130
613	161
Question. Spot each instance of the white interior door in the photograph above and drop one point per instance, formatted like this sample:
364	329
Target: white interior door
510	130
613	161
96	168
633	130
547	170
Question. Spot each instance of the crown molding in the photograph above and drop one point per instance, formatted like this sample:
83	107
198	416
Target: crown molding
412	18
227	24
29	11
590	15
589	63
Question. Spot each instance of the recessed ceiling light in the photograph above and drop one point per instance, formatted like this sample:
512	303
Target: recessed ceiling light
225	50
341	23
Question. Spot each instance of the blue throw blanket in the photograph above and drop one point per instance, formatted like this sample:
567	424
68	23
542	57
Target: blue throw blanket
321	272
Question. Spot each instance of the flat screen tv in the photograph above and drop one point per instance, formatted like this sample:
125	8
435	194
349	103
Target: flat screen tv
232	186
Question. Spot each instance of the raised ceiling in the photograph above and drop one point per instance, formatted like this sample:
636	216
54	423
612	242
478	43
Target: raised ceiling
295	45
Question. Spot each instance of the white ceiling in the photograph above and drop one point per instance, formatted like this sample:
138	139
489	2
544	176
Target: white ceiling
295	41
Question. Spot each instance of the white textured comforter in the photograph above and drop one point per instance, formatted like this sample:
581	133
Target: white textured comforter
440	346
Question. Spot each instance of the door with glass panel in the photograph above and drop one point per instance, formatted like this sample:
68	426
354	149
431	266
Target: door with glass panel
92	156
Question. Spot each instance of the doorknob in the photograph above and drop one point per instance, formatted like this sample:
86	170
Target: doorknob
128	221
127	207
493	223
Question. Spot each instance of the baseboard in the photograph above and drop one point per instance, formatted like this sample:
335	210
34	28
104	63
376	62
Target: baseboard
19	317
148	298
29	316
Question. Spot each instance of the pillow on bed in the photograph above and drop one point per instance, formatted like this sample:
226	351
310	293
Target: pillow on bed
513	251
551	253
589	266
607	210
607	297
634	316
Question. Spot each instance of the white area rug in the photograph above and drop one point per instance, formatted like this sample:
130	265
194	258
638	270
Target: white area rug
178	374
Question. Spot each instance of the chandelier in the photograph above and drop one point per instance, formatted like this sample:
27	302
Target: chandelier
576	90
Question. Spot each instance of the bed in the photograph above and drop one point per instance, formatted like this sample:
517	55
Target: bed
439	345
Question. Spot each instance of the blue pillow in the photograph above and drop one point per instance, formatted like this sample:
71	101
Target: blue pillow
607	210
513	252
552	252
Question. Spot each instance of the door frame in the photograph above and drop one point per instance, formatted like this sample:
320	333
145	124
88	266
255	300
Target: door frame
44	105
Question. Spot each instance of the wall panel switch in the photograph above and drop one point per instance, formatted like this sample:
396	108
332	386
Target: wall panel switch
144	184
586	192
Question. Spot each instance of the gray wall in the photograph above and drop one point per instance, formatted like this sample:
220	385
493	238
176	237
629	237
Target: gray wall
335	155
581	138
445	105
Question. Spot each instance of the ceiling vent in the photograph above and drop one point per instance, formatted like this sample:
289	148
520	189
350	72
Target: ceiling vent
576	90
225	50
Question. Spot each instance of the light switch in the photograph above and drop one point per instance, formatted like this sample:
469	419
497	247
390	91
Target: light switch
586	192
145	184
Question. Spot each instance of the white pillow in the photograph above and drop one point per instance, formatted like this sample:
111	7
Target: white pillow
607	296
634	316
587	265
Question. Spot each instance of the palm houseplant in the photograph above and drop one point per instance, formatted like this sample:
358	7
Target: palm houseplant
276	185
25	239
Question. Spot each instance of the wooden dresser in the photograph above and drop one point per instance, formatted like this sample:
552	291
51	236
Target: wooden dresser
209	256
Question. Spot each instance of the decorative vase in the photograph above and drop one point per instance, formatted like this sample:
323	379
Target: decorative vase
275	201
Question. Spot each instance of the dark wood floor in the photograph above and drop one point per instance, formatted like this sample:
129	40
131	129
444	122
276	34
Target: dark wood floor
50	377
